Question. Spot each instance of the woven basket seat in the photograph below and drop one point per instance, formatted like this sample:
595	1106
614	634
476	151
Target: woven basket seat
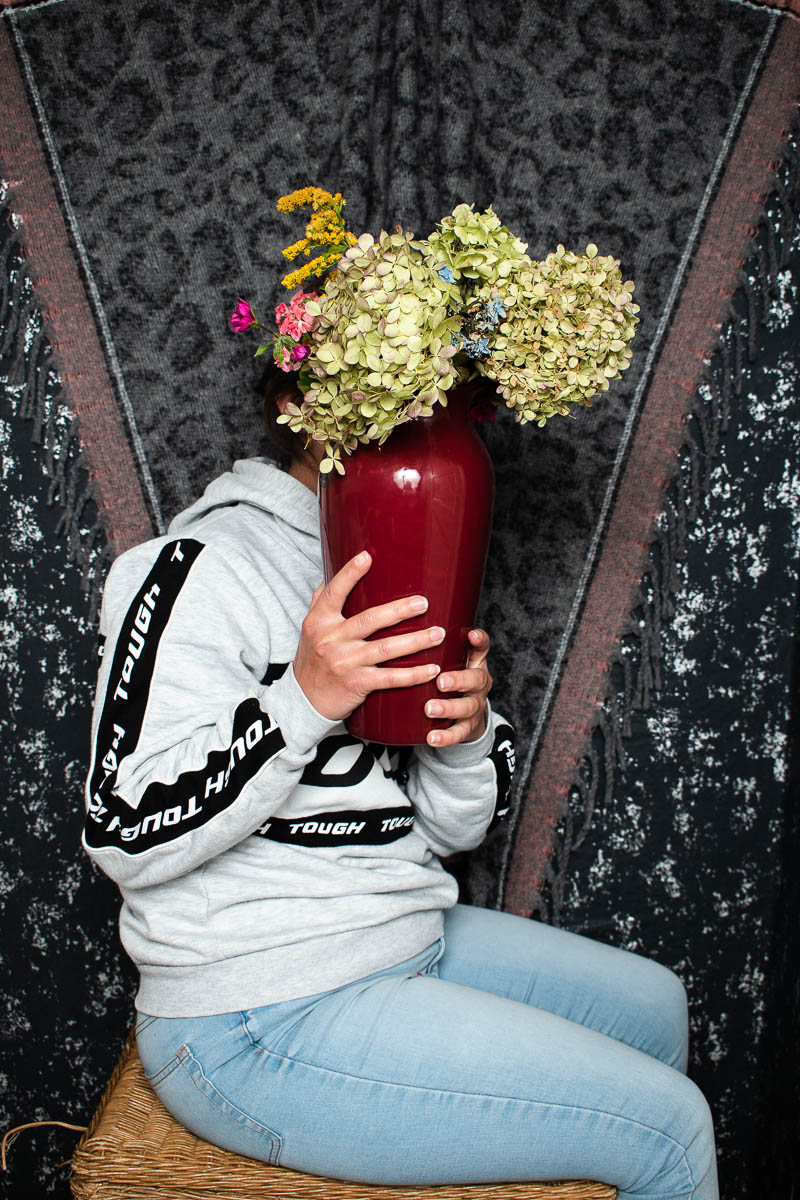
134	1150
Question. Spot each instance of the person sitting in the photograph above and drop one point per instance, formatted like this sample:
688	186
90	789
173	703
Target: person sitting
311	991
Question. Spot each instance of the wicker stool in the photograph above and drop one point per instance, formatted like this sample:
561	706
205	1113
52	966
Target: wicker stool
134	1150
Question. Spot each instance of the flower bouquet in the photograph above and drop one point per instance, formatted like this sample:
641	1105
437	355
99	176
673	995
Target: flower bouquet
400	322
399	327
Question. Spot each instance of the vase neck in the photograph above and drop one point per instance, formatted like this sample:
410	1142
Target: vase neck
460	401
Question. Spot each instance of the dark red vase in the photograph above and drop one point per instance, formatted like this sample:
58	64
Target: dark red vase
421	504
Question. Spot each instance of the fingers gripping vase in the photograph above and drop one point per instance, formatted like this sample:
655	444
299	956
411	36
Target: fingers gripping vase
421	504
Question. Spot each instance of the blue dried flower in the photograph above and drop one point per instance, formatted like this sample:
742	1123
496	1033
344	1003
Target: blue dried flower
446	274
473	347
495	310
478	323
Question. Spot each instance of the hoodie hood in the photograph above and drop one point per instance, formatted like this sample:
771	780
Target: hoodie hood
260	484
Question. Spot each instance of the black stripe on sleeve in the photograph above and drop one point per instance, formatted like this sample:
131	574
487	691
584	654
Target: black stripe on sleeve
274	671
128	686
346	827
167	811
503	756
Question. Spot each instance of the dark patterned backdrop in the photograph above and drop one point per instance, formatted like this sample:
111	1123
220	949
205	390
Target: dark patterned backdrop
140	197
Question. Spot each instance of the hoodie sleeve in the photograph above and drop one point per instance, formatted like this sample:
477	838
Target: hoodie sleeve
460	792
191	750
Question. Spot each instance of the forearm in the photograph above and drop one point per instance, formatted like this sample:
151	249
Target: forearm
458	791
187	803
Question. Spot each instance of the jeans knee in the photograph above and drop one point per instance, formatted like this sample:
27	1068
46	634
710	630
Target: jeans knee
696	1136
670	1007
678	1009
682	1160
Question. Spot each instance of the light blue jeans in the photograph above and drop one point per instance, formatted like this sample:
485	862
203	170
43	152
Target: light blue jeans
511	1051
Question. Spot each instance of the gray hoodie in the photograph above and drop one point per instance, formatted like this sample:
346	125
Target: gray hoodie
263	853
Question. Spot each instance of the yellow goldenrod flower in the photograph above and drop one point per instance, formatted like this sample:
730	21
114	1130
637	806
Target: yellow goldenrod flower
292	251
317	197
316	266
325	227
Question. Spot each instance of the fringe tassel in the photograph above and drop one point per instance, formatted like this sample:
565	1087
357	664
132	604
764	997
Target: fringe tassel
636	668
11	1135
27	362
10	247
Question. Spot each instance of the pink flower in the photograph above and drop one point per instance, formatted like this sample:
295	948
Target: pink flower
292	318
289	358
242	317
291	326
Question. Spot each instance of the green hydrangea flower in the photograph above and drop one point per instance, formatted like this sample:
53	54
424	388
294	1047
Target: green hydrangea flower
475	246
381	347
569	321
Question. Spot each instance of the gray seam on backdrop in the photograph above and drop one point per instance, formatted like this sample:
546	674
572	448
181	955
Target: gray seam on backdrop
588	565
10	12
772	8
97	303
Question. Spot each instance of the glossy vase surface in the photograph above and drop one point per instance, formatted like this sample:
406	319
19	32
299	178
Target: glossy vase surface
421	504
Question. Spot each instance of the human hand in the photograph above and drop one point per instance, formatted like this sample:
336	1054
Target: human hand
336	666
468	711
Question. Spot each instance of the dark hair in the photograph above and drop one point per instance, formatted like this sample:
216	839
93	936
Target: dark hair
276	385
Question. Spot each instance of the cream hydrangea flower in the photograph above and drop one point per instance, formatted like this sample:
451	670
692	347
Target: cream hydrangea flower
381	347
567	332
